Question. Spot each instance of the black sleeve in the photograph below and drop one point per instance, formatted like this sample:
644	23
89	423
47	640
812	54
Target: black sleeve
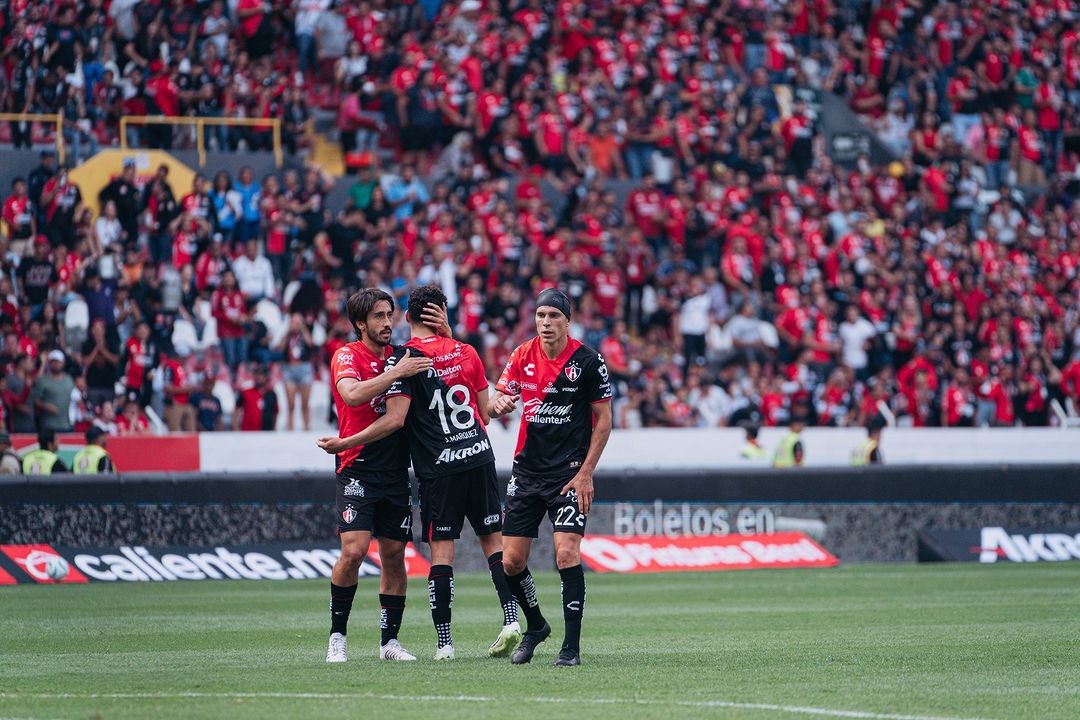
402	387
105	465
59	466
875	457
597	380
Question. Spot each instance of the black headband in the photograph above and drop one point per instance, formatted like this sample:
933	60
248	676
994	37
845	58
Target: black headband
556	299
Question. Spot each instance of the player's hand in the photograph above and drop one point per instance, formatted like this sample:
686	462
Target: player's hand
582	484
504	404
434	316
411	365
332	445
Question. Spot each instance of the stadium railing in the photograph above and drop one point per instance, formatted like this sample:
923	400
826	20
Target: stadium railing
57	120
200	124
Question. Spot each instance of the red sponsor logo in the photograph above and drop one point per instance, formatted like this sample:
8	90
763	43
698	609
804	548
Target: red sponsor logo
607	553
35	561
416	565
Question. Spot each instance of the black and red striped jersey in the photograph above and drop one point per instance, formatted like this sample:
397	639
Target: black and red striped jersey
443	425
355	360
556	397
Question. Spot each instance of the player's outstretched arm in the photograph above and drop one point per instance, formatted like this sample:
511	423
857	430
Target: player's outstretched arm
482	402
397	408
583	481
502	404
360	392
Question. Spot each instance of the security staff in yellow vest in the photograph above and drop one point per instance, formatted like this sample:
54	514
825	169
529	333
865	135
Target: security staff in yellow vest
868	452
94	458
44	460
789	453
751	449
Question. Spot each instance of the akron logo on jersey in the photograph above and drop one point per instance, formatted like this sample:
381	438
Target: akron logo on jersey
349	514
572	371
354	488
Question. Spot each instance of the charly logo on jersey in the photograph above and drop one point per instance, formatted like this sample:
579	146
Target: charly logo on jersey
353	489
572	372
348	514
529	369
511	487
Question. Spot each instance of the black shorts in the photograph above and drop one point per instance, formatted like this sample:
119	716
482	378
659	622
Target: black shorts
446	501
528	499
378	502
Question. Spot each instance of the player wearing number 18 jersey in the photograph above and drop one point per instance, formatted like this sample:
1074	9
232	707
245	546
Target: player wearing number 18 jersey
444	412
565	394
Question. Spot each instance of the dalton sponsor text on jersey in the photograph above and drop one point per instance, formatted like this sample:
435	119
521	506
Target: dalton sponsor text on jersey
355	360
443	425
556	399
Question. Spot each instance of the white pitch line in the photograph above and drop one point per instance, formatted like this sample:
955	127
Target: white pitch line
719	704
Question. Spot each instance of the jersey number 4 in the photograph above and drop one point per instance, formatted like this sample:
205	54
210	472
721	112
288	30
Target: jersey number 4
458	413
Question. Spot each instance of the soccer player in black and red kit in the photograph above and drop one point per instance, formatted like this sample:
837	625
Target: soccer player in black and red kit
565	394
444	412
373	498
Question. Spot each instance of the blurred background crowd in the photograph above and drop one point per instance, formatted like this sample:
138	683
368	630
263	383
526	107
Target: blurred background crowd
660	161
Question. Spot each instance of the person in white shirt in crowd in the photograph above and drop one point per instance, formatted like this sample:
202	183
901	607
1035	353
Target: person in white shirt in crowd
856	332
254	274
108	233
694	319
747	336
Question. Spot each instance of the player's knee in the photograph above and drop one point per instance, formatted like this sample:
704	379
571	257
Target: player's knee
513	562
391	554
352	555
567	556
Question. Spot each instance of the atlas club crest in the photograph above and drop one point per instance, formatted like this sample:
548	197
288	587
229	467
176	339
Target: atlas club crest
349	514
572	372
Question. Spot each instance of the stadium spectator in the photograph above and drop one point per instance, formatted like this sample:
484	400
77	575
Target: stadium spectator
51	395
10	462
298	347
208	411
257	405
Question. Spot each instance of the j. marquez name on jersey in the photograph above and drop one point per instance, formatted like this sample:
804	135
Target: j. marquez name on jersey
463	436
546	413
447	456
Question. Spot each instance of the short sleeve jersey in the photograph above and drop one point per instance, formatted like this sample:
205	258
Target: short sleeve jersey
556	397
356	361
443	425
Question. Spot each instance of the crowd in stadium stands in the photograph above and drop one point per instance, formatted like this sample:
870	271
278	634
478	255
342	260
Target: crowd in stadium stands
661	161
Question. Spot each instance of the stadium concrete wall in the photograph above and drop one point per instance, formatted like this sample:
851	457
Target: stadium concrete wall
677	449
864	515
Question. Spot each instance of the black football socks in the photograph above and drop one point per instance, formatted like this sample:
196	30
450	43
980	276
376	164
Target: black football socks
524	590
573	599
441	599
502	587
340	606
391	609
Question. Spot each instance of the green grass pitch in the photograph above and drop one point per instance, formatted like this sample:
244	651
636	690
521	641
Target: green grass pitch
876	642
